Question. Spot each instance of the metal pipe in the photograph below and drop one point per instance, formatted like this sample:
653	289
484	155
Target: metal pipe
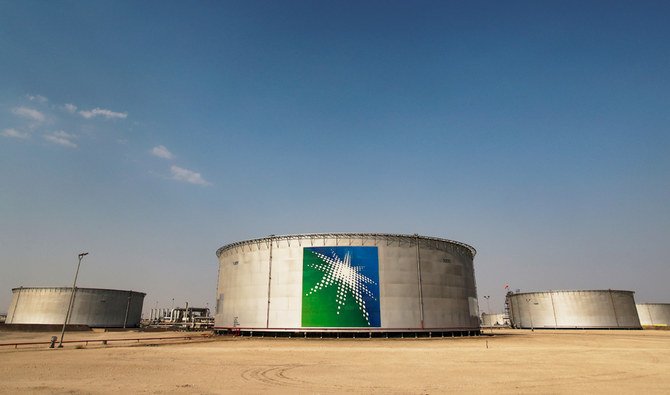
125	319
267	317
16	305
553	307
418	269
616	318
530	312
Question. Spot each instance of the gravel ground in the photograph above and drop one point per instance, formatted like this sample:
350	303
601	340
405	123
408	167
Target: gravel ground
510	361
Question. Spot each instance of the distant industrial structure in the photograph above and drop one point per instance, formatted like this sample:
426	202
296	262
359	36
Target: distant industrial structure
494	320
93	307
654	314
187	318
347	283
588	309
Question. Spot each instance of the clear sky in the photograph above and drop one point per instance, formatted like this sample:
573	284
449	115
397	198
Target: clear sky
151	133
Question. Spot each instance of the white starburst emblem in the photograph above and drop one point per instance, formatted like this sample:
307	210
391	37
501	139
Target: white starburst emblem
348	279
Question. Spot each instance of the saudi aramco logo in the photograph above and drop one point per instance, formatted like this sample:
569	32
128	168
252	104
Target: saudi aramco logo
340	287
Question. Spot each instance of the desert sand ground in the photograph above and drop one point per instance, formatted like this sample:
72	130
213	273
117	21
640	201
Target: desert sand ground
516	361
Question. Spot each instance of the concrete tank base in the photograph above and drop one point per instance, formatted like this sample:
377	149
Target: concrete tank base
43	328
337	333
590	328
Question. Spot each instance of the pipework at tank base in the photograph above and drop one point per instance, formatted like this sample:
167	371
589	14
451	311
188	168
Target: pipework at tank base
348	334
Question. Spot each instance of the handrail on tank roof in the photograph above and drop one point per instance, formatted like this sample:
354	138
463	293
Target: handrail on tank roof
569	290
80	289
472	250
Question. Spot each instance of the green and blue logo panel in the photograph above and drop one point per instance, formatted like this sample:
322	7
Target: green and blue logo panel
340	287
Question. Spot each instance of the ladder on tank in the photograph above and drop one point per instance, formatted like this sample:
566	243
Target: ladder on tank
507	311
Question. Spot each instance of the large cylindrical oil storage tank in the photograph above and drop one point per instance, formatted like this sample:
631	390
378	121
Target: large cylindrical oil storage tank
654	314
347	283
94	307
587	309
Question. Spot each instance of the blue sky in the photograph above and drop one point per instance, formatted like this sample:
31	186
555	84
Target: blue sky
149	134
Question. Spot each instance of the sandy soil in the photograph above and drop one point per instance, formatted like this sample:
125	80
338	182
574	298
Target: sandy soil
516	361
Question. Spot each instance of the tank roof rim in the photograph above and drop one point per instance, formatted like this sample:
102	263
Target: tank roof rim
472	250
654	303
81	288
570	290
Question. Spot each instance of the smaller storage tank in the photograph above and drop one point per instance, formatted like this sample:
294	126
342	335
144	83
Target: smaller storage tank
654	314
494	320
589	309
98	308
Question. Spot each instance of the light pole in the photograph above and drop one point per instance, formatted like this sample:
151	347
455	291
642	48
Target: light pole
69	306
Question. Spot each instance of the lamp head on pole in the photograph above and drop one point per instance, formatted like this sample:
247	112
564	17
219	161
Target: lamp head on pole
83	254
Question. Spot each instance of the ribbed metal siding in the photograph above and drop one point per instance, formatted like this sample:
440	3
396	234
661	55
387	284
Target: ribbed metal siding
448	290
654	314
93	307
574	309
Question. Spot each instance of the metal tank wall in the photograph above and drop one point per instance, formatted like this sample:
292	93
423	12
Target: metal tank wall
654	314
424	283
104	308
497	319
574	309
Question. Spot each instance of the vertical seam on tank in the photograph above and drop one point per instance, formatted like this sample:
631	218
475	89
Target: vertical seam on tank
553	307
16	305
616	318
418	268
267	317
